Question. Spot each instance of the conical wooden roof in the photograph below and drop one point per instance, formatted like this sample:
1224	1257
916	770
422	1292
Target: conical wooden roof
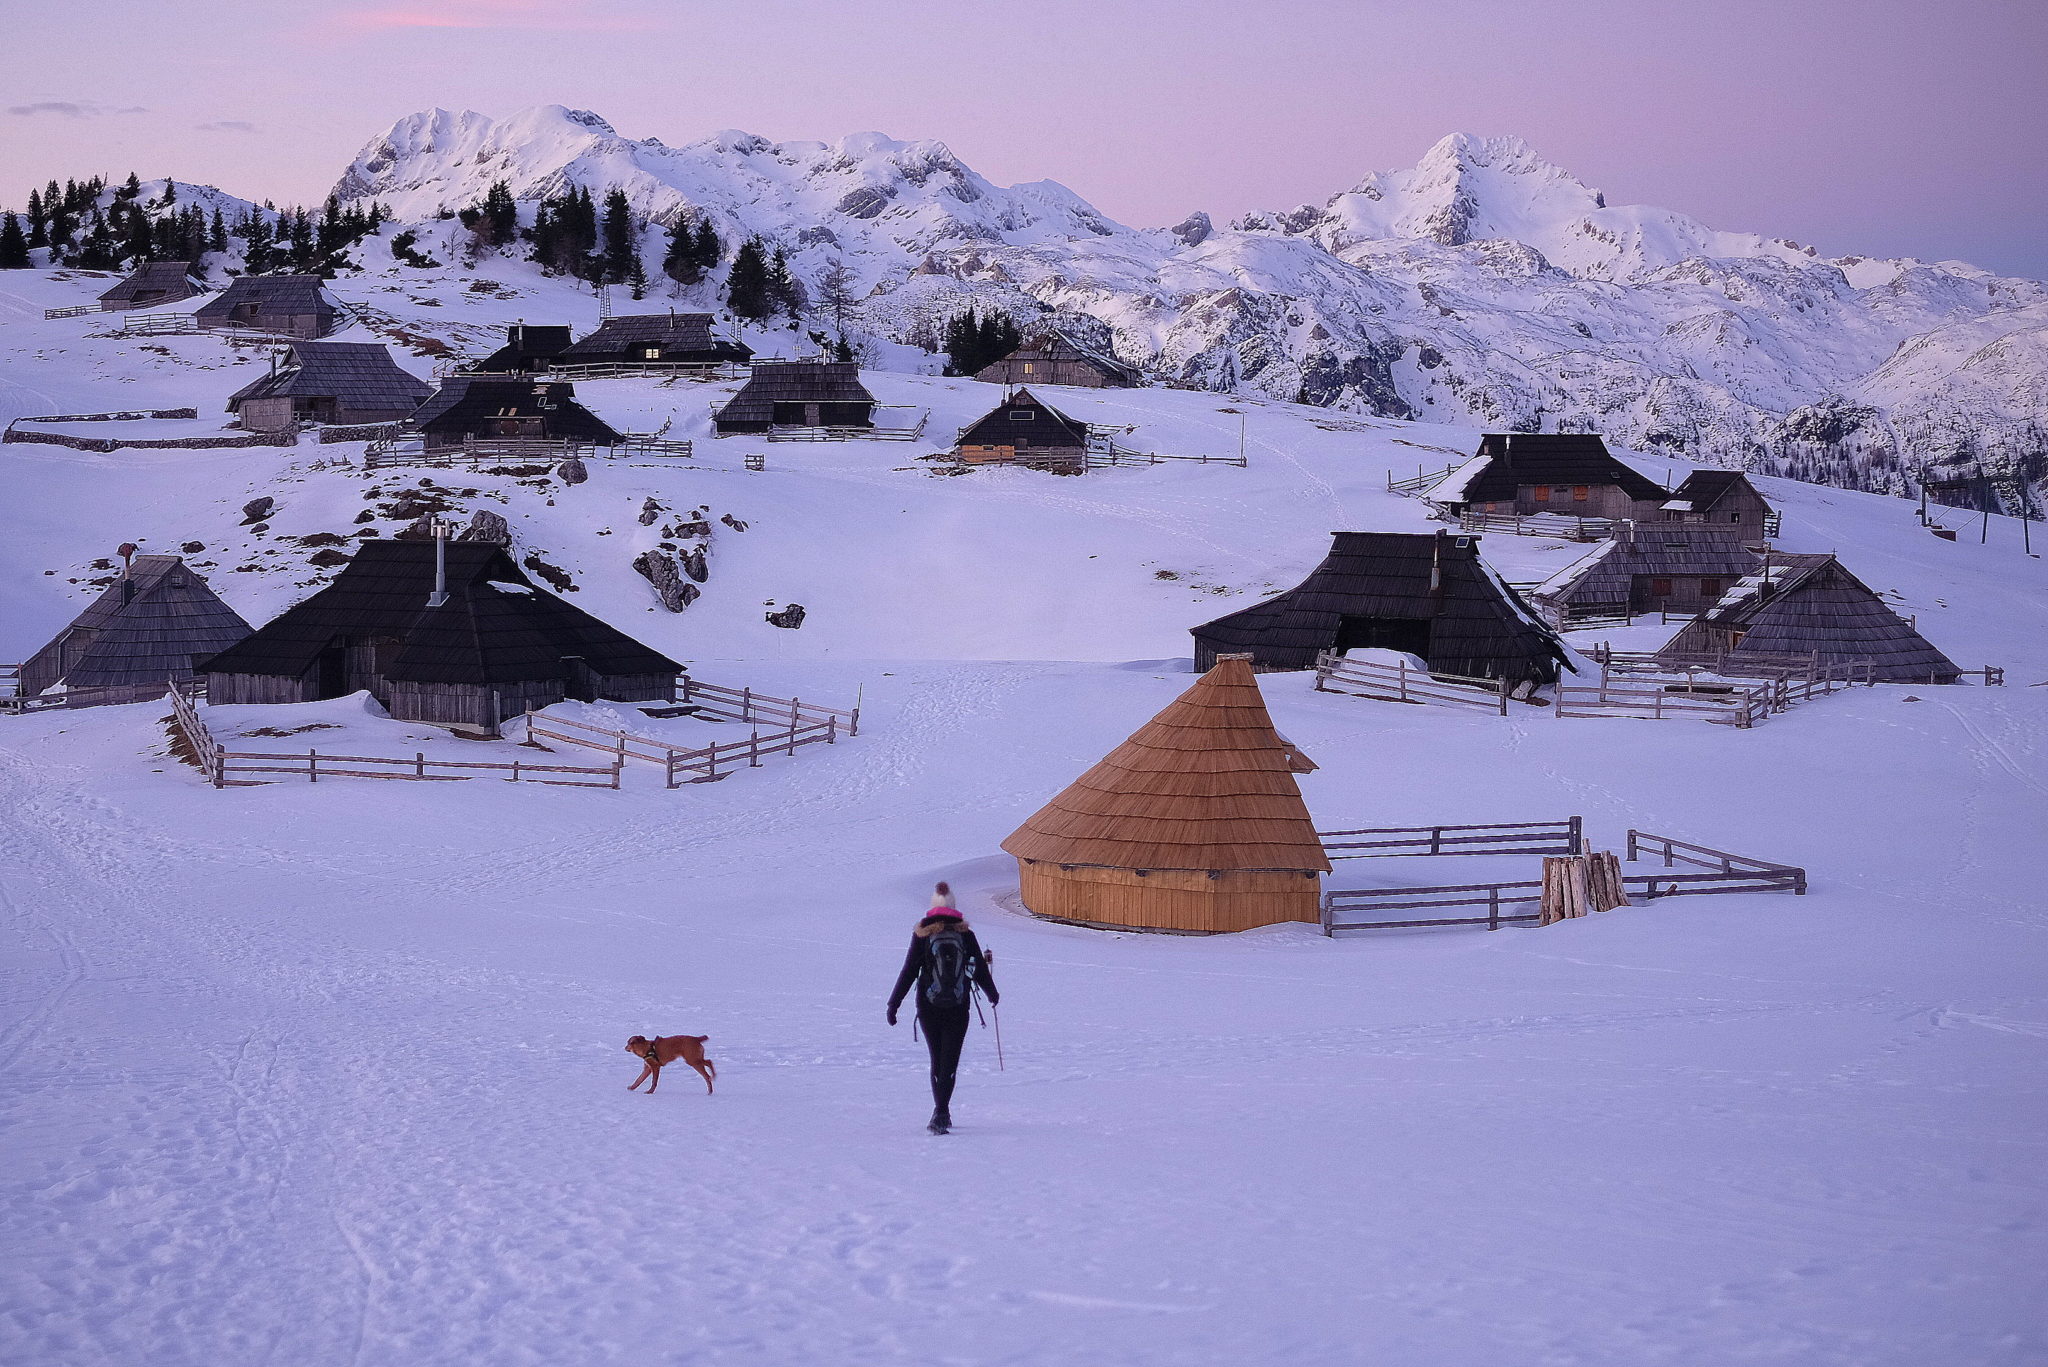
1208	784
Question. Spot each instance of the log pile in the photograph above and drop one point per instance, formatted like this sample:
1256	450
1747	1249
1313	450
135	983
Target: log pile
1575	884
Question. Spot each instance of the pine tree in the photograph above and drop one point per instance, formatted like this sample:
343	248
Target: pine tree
836	293
680	261
747	291
138	242
13	245
709	249
636	277
785	291
131	188
217	235
38	222
300	235
621	255
260	251
170	194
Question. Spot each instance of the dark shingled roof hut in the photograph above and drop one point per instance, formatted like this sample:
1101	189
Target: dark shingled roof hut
1800	605
291	305
1720	498
798	394
528	347
1572	473
498	646
151	284
1429	595
654	340
337	382
1052	357
487	406
154	625
1025	430
1650	567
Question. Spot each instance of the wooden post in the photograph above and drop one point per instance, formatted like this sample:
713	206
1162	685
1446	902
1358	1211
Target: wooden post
753	749
831	730
419	764
1492	907
1576	836
312	766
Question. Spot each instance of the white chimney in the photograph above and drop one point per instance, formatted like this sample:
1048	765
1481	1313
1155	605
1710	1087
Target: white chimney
441	527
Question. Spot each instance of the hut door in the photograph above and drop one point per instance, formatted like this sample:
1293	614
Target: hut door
330	676
1407	634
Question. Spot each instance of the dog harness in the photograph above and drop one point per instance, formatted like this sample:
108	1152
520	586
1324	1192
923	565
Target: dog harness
653	1053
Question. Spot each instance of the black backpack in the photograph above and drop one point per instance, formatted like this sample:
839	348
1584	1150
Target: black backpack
951	976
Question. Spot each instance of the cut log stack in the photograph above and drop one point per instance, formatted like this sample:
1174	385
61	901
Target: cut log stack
1575	884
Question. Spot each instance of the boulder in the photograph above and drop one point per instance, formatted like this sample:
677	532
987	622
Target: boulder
485	525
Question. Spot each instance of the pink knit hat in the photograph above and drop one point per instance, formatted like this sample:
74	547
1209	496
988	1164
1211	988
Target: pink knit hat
942	903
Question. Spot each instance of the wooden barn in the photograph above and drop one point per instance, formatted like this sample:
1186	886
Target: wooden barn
1054	358
288	305
1195	824
329	382
151	284
1571	473
1024	430
656	341
1650	568
1809	606
488	407
798	394
1428	595
152	626
528	348
1723	500
493	646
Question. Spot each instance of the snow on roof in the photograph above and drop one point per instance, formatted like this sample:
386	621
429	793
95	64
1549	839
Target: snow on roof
1452	489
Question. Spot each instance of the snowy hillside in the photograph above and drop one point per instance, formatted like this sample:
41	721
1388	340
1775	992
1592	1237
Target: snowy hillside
333	1073
1483	287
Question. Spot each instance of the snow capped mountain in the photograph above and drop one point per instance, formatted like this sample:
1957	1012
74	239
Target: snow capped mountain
1484	285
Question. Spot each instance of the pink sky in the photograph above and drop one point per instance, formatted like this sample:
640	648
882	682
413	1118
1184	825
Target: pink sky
1888	127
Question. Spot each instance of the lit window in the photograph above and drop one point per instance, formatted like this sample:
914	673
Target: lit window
1580	493
1543	493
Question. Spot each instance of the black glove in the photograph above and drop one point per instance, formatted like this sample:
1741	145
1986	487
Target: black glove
892	1015
995	998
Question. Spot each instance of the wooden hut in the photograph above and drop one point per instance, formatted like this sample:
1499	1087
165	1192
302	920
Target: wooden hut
1650	568
1809	607
1052	357
494	646
656	341
528	348
1723	500
1024	430
1571	473
487	407
152	626
288	305
151	284
329	382
1429	595
1194	824
798	394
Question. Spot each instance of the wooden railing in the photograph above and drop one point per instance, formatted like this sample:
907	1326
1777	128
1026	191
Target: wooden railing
410	448
74	311
799	432
1414	485
101	695
1562	525
1730	704
1345	909
684	764
10	681
1399	683
1513	837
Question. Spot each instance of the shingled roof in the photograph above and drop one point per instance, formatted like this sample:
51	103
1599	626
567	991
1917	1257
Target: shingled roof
1508	460
774	382
151	626
466	403
1023	419
1699	491
525	344
1206	785
1608	573
497	626
359	375
169	280
1052	346
682	337
1478	626
1805	605
273	294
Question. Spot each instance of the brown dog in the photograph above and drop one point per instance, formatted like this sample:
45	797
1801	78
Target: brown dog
655	1054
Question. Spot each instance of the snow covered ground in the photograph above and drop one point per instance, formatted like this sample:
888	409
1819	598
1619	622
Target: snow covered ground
334	1074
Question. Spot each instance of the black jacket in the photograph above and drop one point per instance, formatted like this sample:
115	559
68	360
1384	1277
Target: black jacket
917	964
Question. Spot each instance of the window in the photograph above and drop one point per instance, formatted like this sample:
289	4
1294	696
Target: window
1660	588
1580	493
1027	367
1543	493
1710	587
1021	415
650	353
1735	517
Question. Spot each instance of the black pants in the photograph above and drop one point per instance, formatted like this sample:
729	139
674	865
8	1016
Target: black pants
945	1030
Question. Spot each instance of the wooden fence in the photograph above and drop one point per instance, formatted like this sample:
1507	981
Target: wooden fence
1349	909
681	764
410	448
1510	837
1413	486
1562	525
798	432
104	695
1399	683
74	311
226	768
1741	705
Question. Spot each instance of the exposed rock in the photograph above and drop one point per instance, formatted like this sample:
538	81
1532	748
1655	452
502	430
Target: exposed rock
1194	229
557	577
791	617
257	509
733	522
649	511
694	566
572	472
485	525
327	559
659	569
193	547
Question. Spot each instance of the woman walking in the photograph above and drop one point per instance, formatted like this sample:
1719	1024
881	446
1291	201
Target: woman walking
946	963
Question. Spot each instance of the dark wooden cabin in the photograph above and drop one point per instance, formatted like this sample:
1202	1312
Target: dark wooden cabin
798	394
288	305
656	341
153	283
1571	473
1723	500
1052	357
1810	606
492	407
1650	568
329	382
497	646
528	348
1428	595
1025	430
152	626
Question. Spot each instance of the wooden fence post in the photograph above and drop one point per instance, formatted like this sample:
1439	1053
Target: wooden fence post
1575	838
753	749
419	764
312	766
1493	908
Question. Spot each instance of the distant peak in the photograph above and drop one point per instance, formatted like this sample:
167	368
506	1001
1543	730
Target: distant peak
1502	153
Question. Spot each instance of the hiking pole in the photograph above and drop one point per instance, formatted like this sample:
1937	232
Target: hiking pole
999	1036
